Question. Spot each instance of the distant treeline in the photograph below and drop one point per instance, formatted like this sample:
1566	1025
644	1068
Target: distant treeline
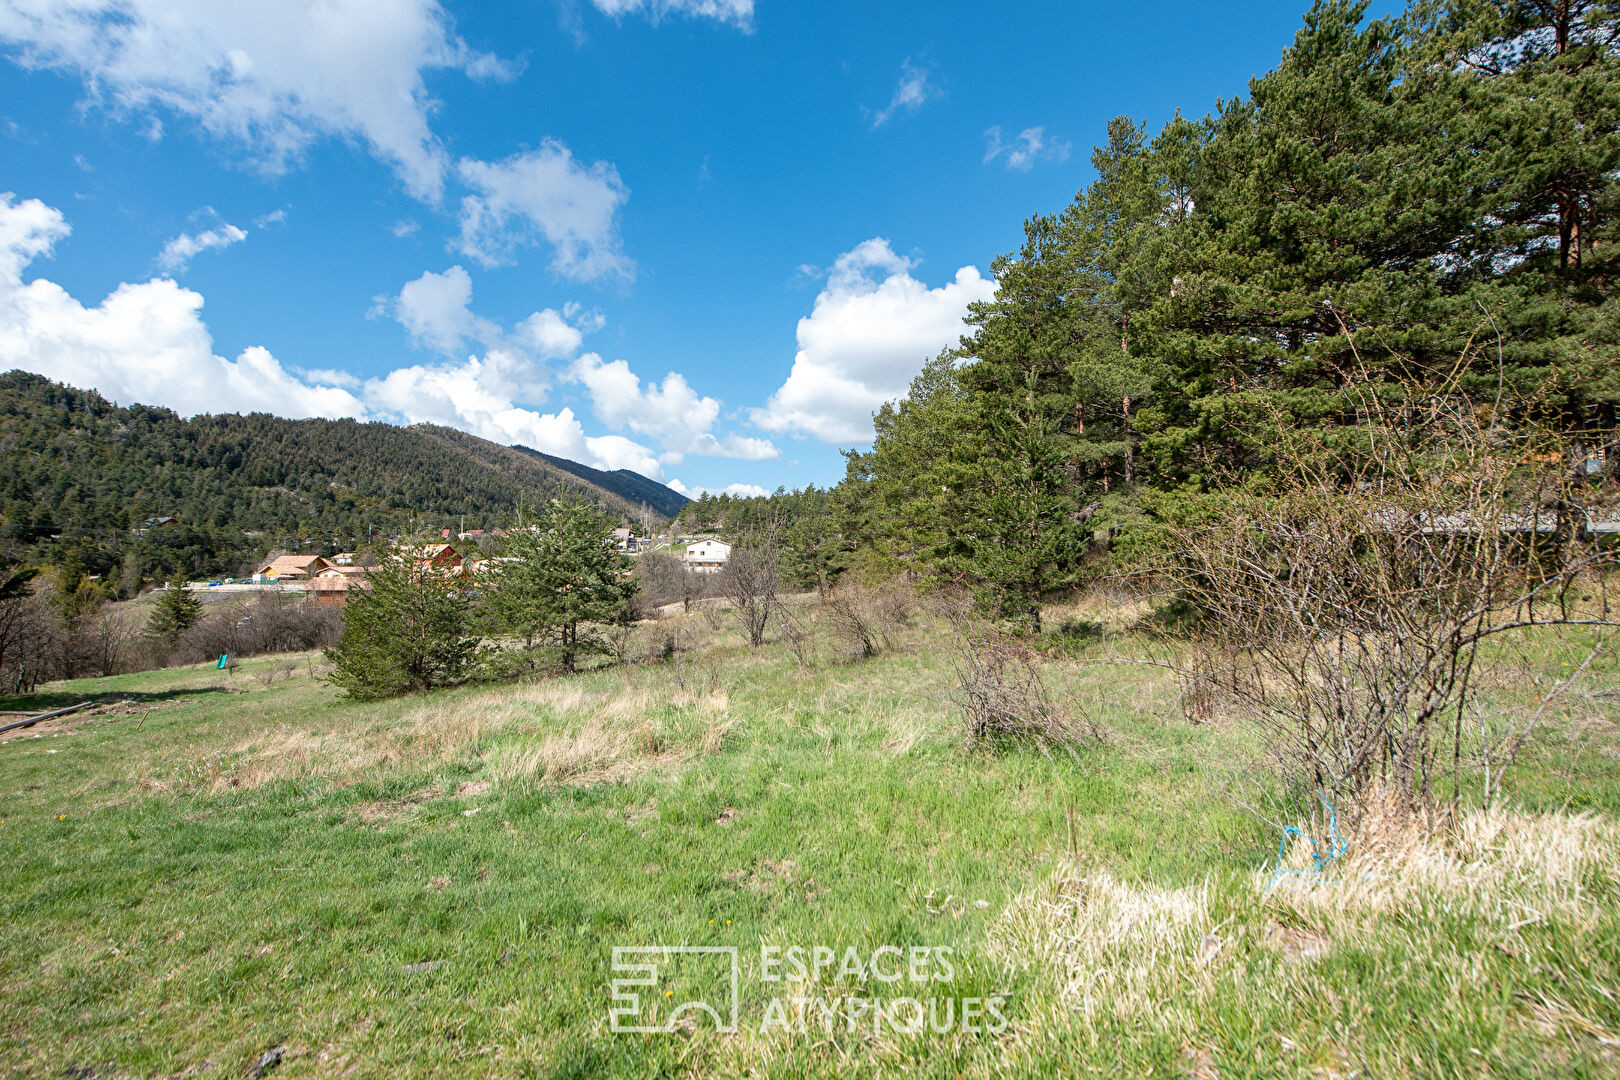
1392	192
87	484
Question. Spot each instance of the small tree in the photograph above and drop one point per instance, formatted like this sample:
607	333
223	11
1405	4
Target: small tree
750	581
177	610
557	581
1342	609
410	631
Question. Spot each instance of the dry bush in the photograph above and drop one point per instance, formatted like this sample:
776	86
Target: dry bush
1001	692
1343	609
751	579
268	622
797	632
664	580
865	619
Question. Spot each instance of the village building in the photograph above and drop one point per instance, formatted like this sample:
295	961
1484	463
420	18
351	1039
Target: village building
290	568
707	556
438	555
333	584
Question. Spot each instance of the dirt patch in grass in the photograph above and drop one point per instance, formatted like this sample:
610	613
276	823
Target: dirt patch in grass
380	813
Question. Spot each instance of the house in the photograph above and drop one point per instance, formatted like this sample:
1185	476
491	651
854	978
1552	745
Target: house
438	555
333	584
291	568
627	540
707	556
343	558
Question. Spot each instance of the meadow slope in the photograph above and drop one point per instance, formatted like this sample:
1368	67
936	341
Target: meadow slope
212	865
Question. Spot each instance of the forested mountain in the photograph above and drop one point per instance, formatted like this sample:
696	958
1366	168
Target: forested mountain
80	477
1397	198
630	485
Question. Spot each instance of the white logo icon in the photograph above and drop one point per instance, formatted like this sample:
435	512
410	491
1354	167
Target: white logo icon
643	965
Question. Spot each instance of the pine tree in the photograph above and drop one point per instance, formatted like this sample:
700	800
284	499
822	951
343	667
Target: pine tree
557	580
176	611
409	631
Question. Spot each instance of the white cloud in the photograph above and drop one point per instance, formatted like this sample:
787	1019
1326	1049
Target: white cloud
148	343
436	311
271	77
744	491
478	396
178	252
274	217
670	412
144	342
872	327
545	191
1030	145
913	91
738	12
404	228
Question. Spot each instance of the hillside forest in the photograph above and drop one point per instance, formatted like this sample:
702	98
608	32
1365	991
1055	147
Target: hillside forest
127	494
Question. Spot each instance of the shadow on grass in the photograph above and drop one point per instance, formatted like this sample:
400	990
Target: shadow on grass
62	699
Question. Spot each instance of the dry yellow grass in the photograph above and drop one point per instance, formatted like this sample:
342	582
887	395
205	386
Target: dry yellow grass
552	732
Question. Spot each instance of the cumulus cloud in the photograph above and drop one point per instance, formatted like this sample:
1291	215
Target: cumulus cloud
545	192
744	491
178	252
272	78
913	91
144	342
740	13
478	395
147	342
1028	147
670	412
866	338
436	310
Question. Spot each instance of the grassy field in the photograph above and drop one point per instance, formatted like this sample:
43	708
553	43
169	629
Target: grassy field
216	864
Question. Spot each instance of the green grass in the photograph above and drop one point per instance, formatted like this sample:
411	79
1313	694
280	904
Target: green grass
224	866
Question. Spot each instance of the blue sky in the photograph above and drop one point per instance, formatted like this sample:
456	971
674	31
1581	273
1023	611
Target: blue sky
697	238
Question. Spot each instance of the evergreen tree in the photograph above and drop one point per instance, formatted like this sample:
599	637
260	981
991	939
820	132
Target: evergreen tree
556	580
176	611
408	631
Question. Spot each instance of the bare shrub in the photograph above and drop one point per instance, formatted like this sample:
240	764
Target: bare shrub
1001	692
114	643
797	633
28	642
664	579
269	622
1343	610
866	619
269	673
751	580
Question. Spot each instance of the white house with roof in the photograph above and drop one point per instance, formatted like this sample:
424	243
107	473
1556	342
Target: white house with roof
707	556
